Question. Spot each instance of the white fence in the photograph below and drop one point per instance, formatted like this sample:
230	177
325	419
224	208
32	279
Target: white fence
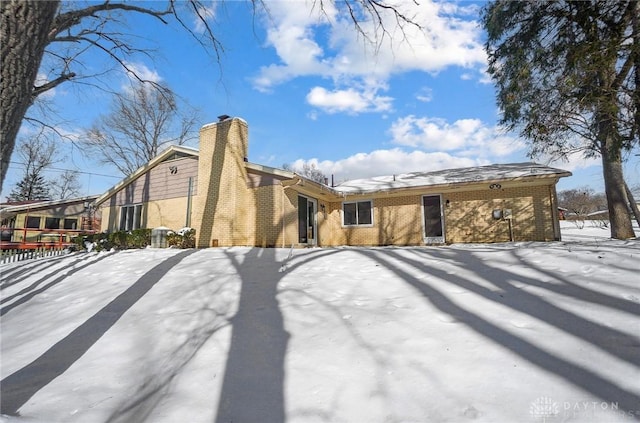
13	255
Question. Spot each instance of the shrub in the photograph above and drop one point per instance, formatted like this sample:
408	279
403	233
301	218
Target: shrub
184	238
139	238
121	240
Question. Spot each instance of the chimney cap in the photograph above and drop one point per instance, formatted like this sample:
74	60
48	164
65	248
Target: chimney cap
223	117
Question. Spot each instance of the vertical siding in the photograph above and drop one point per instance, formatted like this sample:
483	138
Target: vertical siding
160	183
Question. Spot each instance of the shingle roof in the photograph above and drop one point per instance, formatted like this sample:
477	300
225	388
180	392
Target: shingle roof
495	172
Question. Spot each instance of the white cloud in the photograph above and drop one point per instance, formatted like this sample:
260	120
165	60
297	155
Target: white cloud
425	94
387	162
470	137
435	144
446	38
350	100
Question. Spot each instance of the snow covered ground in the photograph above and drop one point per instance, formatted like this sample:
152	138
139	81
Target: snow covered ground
514	332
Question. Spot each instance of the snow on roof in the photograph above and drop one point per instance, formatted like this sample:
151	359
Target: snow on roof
495	172
30	205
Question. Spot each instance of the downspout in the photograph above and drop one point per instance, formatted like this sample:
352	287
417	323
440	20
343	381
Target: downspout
557	233
187	222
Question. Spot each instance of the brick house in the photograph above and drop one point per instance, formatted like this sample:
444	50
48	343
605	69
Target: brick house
230	201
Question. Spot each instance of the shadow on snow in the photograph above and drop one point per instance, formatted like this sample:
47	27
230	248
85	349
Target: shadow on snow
17	388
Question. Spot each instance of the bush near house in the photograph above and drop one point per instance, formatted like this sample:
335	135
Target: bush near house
184	238
138	238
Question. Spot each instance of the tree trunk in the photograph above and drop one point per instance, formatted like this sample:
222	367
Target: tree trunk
24	34
614	185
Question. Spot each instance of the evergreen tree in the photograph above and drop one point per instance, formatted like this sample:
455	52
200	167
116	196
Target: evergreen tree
567	75
32	187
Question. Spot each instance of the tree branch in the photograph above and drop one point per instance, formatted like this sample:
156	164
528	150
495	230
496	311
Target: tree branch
65	21
37	90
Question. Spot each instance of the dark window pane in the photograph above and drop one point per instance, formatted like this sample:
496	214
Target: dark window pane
129	224
302	219
32	222
52	223
71	223
123	218
137	221
349	213
364	213
432	217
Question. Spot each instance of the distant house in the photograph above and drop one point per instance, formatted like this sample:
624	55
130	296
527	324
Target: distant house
35	221
231	201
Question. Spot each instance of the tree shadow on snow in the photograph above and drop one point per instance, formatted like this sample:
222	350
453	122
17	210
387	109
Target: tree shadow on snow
614	342
29	292
204	320
12	276
253	384
17	388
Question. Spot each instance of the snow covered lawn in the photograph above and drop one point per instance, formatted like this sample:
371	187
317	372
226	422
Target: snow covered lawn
515	332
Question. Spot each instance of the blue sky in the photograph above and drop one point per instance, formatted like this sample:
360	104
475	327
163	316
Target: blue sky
312	90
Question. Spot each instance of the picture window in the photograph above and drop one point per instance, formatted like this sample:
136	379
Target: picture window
130	217
357	213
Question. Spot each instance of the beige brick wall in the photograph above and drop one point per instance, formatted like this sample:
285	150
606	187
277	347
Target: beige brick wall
396	221
275	217
467	218
469	215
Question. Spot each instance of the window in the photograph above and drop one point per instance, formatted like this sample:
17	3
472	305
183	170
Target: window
130	217
32	222
51	223
357	213
71	223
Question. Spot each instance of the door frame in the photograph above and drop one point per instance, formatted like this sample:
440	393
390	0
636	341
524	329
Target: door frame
432	239
313	203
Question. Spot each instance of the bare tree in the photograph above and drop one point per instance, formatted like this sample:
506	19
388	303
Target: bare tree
308	170
66	186
142	122
37	154
581	201
60	34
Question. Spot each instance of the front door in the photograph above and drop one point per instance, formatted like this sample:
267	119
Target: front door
433	224
307	225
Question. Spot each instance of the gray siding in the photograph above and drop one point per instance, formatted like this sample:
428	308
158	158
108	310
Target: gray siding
169	179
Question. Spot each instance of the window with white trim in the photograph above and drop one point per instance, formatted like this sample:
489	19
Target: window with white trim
357	213
130	217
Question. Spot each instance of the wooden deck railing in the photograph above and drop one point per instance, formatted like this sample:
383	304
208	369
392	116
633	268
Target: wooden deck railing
32	239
